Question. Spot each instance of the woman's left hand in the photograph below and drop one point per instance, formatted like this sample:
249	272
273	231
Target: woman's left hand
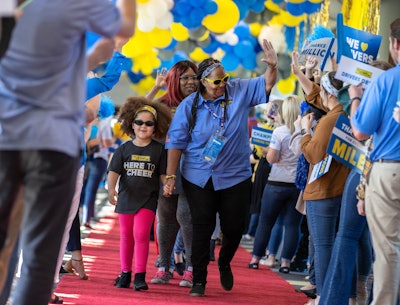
271	58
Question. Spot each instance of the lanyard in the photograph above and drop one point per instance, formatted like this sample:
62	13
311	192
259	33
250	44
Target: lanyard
221	118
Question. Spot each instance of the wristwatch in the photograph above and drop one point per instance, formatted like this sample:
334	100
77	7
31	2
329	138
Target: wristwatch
303	131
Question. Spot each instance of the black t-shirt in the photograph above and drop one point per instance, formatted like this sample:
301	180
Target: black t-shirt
139	169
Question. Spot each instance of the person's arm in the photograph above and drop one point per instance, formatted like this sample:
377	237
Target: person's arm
355	94
92	108
160	82
174	156
127	9
112	179
271	59
304	82
310	65
100	52
273	156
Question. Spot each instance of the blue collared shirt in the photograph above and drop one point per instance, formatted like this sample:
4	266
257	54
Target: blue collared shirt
232	165
42	74
375	115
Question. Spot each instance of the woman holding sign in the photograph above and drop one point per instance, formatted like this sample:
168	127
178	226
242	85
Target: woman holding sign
323	192
280	193
209	130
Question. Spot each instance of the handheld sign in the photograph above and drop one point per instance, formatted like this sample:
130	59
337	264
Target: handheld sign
320	169
261	136
322	49
356	51
344	147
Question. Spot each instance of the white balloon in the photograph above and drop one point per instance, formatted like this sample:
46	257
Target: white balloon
274	34
156	8
165	21
145	23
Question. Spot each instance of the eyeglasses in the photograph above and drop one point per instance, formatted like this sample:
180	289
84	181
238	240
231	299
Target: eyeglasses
186	78
217	81
140	123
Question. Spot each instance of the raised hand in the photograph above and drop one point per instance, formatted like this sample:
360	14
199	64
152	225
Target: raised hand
271	58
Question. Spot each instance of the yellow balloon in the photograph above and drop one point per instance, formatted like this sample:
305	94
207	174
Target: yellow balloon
286	86
292	21
198	54
118	133
295	1
179	32
255	29
226	17
273	7
142	1
160	38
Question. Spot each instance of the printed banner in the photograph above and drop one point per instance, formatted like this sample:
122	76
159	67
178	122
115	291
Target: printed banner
320	169
354	72
261	136
359	45
322	49
344	147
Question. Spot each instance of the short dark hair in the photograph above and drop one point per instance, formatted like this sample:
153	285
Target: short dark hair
395	29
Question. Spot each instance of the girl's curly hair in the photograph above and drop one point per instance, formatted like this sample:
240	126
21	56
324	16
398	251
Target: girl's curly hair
129	111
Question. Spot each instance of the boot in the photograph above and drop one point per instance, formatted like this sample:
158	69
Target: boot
123	280
139	281
212	250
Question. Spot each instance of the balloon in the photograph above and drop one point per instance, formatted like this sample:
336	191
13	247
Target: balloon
249	62
160	38
242	30
243	49
179	32
198	55
224	19
142	1
286	86
230	62
295	9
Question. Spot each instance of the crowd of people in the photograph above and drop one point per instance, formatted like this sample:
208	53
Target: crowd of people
184	164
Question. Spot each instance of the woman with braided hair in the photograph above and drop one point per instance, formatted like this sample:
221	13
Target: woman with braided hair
208	136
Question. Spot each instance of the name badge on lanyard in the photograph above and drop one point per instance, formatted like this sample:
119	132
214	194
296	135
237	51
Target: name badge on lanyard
217	140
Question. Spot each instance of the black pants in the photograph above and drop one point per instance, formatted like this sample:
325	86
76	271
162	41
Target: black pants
232	206
47	179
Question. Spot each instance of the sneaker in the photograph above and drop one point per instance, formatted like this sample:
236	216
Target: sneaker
226	277
187	280
197	290
161	277
123	280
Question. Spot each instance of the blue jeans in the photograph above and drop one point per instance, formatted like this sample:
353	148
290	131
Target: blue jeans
277	198
342	266
97	169
276	235
322	216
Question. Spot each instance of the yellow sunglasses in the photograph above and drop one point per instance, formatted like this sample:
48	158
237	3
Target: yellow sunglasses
217	81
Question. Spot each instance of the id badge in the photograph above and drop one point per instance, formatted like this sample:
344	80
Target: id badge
213	148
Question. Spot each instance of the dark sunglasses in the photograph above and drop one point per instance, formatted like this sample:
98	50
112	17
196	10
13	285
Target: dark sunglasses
217	81
140	123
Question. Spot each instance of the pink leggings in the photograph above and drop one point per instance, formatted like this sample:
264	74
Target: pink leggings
135	239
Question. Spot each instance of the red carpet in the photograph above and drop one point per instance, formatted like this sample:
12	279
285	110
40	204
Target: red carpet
101	257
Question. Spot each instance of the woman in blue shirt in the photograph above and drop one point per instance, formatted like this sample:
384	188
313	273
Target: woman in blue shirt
209	137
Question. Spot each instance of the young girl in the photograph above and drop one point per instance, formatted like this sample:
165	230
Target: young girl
139	165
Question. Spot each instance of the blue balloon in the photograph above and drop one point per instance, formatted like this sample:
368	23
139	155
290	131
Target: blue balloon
181	7
243	10
295	9
243	49
212	46
311	8
249	62
258	7
135	77
230	62
242	30
211	7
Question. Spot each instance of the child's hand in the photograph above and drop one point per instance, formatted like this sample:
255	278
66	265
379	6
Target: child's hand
112	197
169	187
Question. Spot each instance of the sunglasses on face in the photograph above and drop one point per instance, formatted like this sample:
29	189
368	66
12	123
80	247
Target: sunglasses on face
140	123
217	81
186	78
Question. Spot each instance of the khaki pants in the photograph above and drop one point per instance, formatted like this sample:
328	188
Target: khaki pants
382	204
